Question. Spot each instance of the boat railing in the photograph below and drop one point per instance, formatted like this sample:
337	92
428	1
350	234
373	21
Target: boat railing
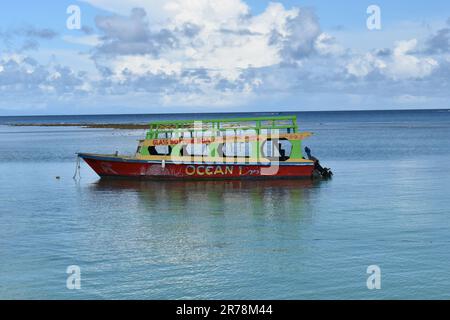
232	126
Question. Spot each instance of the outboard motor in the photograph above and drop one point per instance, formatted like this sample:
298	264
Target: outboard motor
319	171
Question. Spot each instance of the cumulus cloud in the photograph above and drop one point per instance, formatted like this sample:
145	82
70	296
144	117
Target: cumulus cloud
213	48
301	32
131	35
23	75
87	40
440	41
221	40
401	64
217	53
326	44
405	65
25	38
178	12
361	66
32	32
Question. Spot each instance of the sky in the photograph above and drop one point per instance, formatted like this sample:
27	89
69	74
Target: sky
155	56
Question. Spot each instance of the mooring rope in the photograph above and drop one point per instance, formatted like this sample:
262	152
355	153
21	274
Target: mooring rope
77	169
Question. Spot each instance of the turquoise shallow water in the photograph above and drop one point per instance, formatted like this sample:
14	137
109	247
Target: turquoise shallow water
387	205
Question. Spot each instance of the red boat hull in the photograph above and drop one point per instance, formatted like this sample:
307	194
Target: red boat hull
111	166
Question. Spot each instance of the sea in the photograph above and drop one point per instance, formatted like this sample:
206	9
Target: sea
379	229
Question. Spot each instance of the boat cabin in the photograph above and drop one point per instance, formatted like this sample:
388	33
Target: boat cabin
234	140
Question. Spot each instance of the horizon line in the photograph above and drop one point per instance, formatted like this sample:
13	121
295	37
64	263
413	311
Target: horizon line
220	112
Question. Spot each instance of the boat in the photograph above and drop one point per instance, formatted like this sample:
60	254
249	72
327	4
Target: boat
234	148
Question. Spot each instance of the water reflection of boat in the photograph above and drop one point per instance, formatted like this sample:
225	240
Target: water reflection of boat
259	197
144	185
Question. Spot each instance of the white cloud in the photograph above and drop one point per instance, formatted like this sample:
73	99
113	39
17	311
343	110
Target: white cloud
224	40
409	99
326	44
155	8
402	64
273	18
142	65
227	50
217	53
361	66
89	40
22	76
207	12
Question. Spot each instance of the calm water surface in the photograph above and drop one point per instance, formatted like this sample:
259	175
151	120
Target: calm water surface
388	205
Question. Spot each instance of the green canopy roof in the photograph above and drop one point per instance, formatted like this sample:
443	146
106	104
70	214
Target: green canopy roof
279	122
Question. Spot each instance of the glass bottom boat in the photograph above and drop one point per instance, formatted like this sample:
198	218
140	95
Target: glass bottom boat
240	148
